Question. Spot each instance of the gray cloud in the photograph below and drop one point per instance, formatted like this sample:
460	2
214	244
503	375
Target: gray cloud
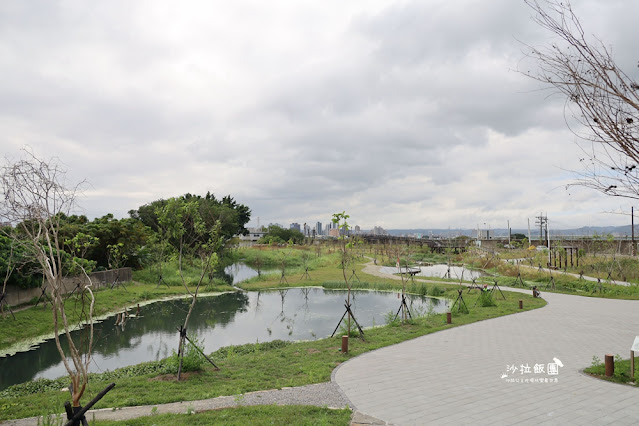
404	114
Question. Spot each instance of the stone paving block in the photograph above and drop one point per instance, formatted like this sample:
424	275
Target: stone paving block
570	328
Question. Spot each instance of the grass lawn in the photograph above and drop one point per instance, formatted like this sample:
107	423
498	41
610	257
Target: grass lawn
36	322
621	374
255	415
248	367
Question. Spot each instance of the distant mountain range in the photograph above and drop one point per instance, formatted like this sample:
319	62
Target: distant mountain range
617	231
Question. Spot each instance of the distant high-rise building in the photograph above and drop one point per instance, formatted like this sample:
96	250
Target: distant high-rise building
378	230
357	230
296	226
318	228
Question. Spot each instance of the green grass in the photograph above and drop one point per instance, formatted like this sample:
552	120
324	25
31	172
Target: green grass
506	273
37	321
251	367
621	374
253	415
191	272
294	257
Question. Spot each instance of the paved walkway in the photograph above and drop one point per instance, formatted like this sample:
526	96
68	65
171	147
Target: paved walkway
455	376
321	394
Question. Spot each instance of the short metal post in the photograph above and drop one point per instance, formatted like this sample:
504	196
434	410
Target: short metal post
632	364
449	318
345	344
521	304
610	365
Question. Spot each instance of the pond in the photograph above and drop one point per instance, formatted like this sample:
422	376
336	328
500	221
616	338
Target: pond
440	271
228	319
238	272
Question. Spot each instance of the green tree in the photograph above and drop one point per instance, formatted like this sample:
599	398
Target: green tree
281	235
18	268
182	226
207	250
340	220
131	234
231	215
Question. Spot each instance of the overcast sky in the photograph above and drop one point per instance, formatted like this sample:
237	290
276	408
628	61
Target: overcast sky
404	114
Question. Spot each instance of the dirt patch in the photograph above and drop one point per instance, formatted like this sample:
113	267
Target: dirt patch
313	351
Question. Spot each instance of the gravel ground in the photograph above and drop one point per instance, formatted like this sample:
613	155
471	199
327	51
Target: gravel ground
321	395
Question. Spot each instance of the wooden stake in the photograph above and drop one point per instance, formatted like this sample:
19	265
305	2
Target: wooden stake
345	344
610	365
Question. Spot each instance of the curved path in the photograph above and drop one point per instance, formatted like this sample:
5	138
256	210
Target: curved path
456	376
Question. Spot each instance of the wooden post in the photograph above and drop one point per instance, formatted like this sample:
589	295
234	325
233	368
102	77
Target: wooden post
521	304
345	344
449	318
610	365
571	263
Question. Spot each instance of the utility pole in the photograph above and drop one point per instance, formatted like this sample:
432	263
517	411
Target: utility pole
632	215
548	234
529	237
508	233
542	221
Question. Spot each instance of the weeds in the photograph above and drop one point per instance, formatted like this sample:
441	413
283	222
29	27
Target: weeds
486	299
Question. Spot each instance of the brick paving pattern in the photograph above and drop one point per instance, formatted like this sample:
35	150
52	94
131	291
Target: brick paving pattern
455	376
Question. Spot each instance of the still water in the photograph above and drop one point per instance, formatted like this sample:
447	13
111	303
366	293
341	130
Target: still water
440	270
227	319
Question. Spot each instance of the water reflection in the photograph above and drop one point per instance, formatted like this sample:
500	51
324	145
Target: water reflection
228	319
440	271
238	272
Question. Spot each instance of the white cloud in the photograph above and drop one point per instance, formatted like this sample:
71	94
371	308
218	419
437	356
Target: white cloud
403	113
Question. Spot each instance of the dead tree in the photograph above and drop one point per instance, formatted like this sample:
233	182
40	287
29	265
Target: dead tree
34	198
601	99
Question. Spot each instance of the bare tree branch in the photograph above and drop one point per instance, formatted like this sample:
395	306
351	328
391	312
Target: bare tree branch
602	101
34	196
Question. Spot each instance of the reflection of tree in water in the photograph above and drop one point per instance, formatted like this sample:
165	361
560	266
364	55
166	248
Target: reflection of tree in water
218	310
257	302
109	339
222	275
18	369
290	321
282	296
161	352
305	292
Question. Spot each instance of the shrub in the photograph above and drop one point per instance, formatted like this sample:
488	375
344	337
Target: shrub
193	359
250	348
391	319
486	299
